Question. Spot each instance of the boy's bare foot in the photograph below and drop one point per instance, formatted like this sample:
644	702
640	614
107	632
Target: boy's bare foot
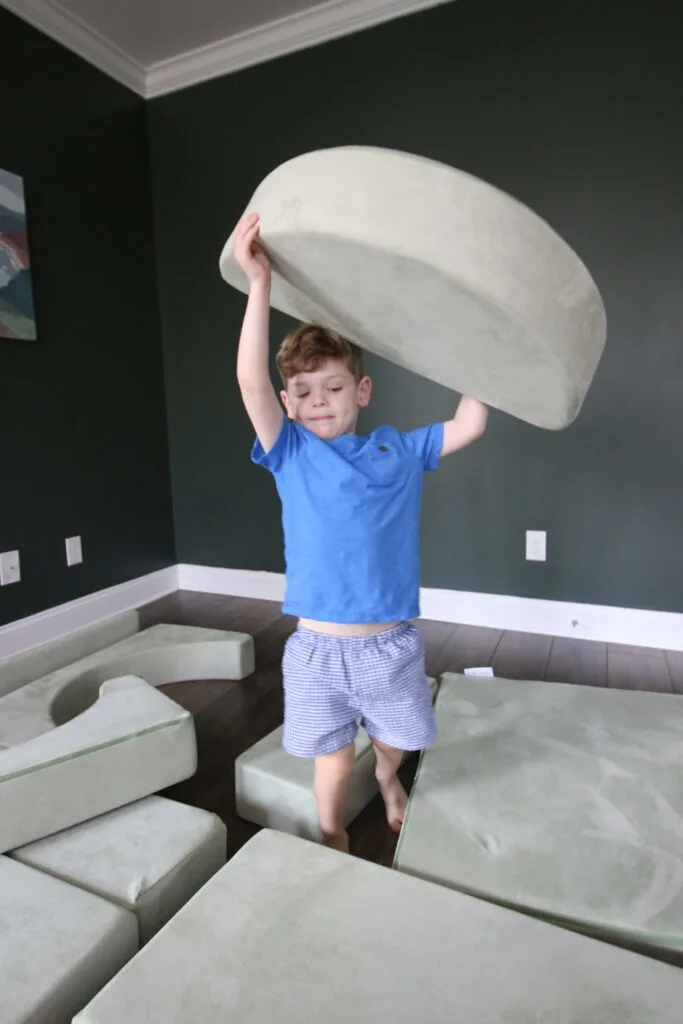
395	801
336	841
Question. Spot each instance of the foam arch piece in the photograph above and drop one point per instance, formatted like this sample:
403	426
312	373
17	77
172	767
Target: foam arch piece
435	270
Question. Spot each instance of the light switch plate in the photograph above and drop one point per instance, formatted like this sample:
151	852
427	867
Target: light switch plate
535	545
10	568
74	551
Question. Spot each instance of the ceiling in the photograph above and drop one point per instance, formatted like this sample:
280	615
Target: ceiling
158	46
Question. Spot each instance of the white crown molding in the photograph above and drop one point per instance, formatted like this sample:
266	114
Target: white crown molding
295	32
636	627
76	35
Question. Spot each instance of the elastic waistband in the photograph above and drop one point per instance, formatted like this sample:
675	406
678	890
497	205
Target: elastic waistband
399	630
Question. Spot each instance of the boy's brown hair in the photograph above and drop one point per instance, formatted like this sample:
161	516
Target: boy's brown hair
309	345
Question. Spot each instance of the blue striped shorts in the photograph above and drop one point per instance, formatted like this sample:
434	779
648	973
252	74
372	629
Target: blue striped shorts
334	684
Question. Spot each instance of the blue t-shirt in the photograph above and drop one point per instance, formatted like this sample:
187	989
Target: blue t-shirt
351	520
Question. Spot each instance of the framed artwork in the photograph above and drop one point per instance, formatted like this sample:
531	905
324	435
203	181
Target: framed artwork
17	316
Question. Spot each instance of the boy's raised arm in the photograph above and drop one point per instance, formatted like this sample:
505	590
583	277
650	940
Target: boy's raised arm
253	374
467	425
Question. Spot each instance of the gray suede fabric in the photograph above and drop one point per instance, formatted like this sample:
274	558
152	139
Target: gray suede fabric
161	654
131	742
58	945
565	801
19	669
294	933
435	270
148	857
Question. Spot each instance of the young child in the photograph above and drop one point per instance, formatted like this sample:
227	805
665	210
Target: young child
350	514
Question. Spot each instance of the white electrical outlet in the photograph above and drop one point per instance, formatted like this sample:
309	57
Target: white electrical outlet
535	545
74	551
10	568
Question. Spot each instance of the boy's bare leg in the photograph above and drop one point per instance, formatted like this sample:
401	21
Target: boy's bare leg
393	793
331	781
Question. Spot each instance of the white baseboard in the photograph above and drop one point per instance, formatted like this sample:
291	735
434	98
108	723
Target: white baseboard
640	628
57	622
268	586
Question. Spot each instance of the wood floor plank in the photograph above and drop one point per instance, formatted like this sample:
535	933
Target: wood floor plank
521	655
249	615
577	661
638	672
646	652
186	608
674	660
195	694
469	647
270	641
437	637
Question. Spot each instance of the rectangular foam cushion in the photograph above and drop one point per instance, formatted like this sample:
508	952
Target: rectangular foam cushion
132	742
149	857
292	932
58	946
566	801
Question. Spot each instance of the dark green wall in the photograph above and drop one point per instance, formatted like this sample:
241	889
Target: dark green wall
576	109
82	415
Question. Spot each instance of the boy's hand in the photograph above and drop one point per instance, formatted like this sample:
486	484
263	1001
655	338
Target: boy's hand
248	251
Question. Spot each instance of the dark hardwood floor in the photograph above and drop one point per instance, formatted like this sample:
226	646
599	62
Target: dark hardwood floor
231	716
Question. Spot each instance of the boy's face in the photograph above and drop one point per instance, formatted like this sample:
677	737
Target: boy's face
326	401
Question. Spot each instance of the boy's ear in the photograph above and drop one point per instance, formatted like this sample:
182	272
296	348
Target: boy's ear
285	401
364	391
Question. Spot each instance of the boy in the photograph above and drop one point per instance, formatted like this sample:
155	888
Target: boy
350	512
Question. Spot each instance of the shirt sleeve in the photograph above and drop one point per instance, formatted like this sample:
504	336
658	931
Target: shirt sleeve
286	447
425	443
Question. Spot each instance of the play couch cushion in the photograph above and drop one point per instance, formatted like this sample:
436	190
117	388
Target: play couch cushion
131	742
58	945
564	800
159	655
17	669
149	857
434	269
292	932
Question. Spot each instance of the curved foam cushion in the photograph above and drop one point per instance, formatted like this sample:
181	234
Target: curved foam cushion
20	668
149	857
563	800
161	654
433	269
132	742
292	932
58	946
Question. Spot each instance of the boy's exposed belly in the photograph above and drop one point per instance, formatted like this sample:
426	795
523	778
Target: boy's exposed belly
347	628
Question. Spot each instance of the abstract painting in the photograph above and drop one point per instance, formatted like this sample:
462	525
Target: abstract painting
17	317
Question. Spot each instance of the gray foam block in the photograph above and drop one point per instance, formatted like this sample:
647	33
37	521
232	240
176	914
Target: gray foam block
565	801
290	931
